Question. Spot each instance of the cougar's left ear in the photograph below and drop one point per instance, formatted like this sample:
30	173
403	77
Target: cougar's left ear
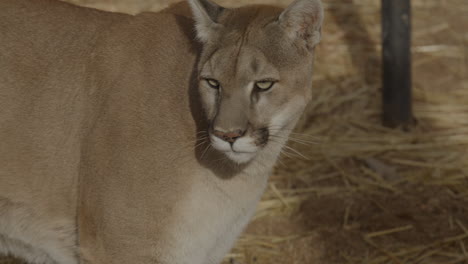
303	19
206	15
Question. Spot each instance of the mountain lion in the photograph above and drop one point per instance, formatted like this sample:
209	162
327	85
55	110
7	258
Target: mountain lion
148	138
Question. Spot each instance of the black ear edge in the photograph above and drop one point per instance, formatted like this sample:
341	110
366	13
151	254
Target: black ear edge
206	14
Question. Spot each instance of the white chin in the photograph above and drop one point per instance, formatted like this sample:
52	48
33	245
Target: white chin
240	158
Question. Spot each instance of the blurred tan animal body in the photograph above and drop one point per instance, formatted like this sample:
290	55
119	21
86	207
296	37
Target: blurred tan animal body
129	139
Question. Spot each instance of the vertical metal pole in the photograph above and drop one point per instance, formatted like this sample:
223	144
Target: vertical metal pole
396	34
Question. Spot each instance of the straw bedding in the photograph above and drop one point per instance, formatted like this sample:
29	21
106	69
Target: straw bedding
348	190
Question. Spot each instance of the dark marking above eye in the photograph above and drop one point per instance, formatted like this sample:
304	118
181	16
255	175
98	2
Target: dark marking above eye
254	65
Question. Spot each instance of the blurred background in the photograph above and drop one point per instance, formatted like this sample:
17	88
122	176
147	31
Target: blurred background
347	189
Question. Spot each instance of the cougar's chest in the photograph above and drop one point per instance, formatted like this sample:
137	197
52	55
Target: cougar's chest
211	214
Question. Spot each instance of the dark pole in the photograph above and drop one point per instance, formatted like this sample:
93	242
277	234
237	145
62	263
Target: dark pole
396	35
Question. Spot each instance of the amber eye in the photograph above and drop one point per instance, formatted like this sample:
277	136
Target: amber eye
213	83
264	85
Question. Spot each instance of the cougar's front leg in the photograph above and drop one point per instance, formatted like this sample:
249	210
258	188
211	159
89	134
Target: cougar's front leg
125	209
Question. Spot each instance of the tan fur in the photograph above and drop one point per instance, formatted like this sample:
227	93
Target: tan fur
107	145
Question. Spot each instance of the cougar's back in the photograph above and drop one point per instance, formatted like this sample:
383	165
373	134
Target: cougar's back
63	71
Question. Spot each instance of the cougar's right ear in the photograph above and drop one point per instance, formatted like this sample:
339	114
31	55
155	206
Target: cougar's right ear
303	19
206	14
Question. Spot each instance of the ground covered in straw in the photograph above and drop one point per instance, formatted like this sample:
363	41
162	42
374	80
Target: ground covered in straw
348	190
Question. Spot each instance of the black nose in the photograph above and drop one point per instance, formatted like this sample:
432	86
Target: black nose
230	136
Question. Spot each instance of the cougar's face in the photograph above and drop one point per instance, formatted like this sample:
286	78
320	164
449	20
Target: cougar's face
255	75
250	101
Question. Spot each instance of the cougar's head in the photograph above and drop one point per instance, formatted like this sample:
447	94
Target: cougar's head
255	72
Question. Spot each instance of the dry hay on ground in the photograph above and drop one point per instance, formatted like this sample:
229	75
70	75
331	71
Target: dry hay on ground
363	193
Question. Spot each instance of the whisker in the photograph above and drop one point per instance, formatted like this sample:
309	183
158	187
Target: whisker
297	152
282	150
200	144
202	138
305	135
297	140
291	131
190	149
205	151
303	142
281	162
287	154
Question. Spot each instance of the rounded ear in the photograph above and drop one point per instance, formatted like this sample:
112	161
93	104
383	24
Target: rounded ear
206	14
303	19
